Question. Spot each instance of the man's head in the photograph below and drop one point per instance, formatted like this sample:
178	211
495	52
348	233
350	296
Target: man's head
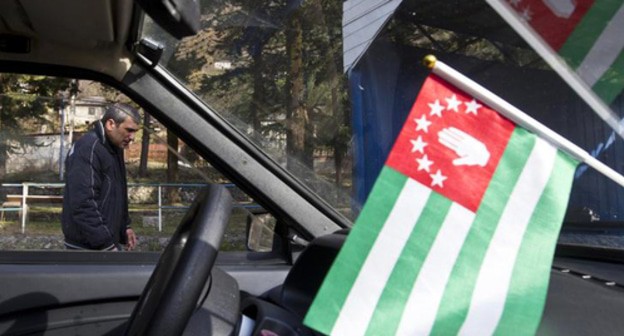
121	122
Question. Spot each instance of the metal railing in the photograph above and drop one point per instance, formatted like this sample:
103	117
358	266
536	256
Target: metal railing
26	188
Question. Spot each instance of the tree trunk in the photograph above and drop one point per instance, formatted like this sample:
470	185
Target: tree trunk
3	146
297	115
173	193
339	113
257	98
339	144
144	146
3	155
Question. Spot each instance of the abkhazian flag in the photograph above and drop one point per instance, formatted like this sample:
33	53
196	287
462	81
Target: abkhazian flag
458	233
587	34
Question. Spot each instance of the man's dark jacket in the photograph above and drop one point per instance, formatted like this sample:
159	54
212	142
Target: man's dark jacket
95	201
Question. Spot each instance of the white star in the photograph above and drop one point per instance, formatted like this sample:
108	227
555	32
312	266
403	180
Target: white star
452	103
515	3
437	179
418	145
436	108
472	107
526	14
422	124
424	163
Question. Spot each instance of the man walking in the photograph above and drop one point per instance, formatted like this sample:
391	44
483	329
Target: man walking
95	201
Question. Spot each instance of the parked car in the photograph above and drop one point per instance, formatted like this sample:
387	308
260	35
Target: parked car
294	106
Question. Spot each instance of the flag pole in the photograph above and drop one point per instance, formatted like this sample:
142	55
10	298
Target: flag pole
517	116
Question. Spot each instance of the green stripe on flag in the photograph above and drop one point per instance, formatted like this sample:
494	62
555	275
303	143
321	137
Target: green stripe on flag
611	84
456	300
390	306
585	34
528	290
326	307
588	34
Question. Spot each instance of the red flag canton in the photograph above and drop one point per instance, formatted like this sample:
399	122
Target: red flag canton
554	20
451	143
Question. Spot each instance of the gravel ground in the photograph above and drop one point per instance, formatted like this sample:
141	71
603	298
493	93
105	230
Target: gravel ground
42	242
231	241
39	242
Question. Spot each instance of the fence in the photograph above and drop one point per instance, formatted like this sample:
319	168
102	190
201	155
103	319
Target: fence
19	202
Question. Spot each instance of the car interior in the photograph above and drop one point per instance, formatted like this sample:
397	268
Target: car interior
57	292
192	287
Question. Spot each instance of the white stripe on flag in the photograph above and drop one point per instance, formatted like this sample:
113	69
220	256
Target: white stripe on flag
490	294
424	300
366	291
605	50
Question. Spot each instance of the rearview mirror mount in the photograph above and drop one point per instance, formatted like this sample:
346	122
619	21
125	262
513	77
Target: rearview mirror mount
180	18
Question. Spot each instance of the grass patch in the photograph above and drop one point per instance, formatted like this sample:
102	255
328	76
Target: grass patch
46	222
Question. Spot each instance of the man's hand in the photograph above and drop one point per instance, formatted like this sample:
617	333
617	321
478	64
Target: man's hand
132	239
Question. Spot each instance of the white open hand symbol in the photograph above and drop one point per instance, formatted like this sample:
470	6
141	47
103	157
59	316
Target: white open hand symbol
471	151
561	8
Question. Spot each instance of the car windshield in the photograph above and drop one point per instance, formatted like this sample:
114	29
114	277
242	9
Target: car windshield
324	87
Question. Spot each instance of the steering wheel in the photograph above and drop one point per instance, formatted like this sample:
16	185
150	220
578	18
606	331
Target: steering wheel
173	291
